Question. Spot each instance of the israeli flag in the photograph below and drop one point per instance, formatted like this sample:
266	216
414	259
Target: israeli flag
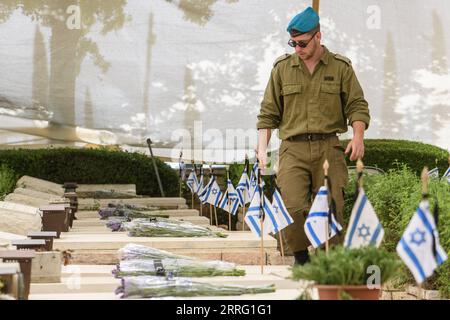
213	194
434	173
192	182
254	178
200	185
364	227
254	215
416	245
204	192
230	200
280	210
243	188
317	220
447	175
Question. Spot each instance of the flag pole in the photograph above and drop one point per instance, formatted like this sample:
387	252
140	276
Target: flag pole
210	205
192	193
261	220
360	169
281	246
200	201
179	164
326	166
316	5
229	204
245	193
215	211
425	178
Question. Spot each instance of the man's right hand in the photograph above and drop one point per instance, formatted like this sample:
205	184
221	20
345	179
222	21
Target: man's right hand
262	157
261	149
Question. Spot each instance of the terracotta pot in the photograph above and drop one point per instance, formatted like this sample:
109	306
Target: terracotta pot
332	292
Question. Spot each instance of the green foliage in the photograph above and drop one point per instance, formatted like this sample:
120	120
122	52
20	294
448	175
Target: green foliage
342	266
395	197
386	154
88	166
8	180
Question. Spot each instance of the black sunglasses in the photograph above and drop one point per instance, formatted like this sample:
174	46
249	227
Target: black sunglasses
301	43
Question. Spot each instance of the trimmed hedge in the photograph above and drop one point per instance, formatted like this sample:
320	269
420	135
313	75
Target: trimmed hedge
92	166
387	154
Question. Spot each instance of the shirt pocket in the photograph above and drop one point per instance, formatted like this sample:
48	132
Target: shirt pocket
292	99
330	100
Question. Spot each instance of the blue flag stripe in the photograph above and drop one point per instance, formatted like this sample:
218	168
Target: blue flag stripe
375	235
413	258
313	234
255	225
322	193
355	222
272	218
318	214
281	206
427	224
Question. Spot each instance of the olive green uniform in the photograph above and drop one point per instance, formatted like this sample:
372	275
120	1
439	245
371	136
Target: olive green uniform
297	102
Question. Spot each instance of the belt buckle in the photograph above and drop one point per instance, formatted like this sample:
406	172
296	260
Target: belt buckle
310	136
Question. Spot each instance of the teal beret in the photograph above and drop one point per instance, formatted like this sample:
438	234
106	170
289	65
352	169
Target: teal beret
304	22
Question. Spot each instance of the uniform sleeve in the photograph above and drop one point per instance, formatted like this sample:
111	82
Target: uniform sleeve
271	107
355	105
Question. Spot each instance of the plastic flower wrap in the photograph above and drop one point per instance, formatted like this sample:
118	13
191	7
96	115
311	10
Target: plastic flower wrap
161	227
177	267
134	251
151	287
108	212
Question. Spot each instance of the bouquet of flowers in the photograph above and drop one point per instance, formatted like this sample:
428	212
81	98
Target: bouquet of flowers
151	287
177	267
161	227
137	251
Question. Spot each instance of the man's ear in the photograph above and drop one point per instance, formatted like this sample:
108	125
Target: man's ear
319	35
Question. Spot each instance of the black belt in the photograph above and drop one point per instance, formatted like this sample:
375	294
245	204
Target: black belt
311	136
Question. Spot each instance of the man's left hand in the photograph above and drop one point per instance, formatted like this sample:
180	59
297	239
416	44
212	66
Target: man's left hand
356	145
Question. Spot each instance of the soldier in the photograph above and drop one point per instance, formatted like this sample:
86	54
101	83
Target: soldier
312	95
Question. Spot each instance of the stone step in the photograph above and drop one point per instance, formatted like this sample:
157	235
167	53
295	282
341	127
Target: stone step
115	241
239	256
88	190
281	294
75	282
166	203
170	212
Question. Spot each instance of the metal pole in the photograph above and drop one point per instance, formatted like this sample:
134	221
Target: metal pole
316	5
149	142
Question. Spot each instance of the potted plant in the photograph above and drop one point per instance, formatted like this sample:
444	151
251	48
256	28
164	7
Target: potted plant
347	273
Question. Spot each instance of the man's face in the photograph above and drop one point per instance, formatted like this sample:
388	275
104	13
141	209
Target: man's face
313	45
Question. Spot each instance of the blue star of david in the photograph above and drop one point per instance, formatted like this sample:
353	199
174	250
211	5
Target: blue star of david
364	231
275	208
214	191
253	183
417	237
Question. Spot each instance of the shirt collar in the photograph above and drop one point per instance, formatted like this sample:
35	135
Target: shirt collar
324	58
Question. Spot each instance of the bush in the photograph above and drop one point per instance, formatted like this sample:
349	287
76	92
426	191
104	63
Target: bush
88	166
395	197
341	266
386	154
8	180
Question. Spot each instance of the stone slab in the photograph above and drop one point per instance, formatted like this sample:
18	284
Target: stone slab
25	200
19	222
46	267
167	203
423	294
18	207
170	212
89	190
40	185
37	194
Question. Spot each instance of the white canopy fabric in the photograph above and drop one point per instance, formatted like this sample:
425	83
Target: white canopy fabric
190	74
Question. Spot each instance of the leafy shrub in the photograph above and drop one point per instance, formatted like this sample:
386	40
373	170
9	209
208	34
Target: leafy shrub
90	166
8	180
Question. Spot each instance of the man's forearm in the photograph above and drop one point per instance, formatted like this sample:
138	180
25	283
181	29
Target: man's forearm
264	138
358	129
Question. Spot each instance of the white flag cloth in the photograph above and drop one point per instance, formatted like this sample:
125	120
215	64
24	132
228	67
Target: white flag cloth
254	215
253	181
416	245
364	227
243	188
280	210
213	194
192	182
230	200
434	173
447	175
204	192
199	185
317	220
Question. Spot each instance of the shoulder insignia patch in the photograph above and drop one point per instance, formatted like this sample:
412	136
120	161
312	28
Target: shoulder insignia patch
283	57
342	58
